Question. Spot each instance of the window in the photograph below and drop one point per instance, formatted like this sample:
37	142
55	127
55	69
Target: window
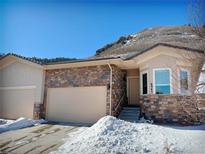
162	81
184	81
144	84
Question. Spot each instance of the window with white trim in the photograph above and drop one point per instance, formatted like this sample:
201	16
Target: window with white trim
184	81
162	83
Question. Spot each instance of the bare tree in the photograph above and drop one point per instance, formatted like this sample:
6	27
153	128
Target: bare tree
192	103
196	101
197	19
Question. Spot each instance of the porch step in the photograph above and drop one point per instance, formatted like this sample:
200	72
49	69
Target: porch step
130	111
130	114
131	108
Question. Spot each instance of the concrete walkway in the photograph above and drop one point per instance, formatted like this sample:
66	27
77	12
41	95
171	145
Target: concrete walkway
35	140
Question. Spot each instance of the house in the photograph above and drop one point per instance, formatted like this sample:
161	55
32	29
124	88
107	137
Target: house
157	79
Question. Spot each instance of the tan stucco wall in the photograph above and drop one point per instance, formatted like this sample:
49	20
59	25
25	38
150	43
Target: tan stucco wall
161	61
164	57
133	72
19	74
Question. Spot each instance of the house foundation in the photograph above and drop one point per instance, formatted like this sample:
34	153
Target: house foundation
173	108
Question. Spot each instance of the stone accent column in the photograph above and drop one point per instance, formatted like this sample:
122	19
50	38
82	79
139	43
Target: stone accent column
118	90
38	111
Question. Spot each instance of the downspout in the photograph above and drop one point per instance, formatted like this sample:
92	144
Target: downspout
110	88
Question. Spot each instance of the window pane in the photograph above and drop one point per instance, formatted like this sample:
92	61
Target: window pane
184	80
144	83
162	77
162	81
162	89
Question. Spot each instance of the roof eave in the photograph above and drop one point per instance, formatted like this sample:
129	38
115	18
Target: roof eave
166	45
84	63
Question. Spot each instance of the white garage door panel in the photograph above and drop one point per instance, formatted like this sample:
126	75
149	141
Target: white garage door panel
78	104
15	103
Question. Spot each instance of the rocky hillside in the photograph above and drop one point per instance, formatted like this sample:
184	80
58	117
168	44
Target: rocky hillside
173	35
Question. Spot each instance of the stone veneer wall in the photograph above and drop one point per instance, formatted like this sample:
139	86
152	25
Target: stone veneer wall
87	76
38	111
172	108
118	90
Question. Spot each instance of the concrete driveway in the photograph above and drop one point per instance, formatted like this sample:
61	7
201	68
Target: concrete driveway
35	140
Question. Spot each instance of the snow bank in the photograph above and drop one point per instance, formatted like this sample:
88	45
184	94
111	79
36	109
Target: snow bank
111	135
5	121
143	120
18	124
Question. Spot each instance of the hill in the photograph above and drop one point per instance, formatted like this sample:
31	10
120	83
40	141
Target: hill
174	35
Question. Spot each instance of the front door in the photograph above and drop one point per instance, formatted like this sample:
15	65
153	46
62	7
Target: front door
133	90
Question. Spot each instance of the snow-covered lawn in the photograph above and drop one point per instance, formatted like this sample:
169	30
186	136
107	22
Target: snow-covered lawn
5	121
111	135
6	125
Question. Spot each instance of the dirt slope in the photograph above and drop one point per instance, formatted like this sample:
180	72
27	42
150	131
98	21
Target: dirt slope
174	35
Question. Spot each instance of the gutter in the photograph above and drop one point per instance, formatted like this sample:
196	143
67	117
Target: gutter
81	63
83	60
110	89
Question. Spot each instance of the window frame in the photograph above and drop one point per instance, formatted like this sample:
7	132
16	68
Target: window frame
170	80
179	81
141	82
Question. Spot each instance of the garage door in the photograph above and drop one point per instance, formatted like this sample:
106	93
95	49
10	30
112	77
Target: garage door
15	103
77	104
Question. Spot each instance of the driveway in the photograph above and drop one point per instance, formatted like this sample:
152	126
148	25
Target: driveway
33	140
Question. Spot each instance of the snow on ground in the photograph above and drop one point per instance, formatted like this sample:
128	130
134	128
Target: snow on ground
111	135
4	121
7	125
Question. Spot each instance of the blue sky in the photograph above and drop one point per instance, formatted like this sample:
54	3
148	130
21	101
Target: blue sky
51	28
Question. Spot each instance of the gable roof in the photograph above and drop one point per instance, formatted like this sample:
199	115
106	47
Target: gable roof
124	57
165	45
21	57
40	61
